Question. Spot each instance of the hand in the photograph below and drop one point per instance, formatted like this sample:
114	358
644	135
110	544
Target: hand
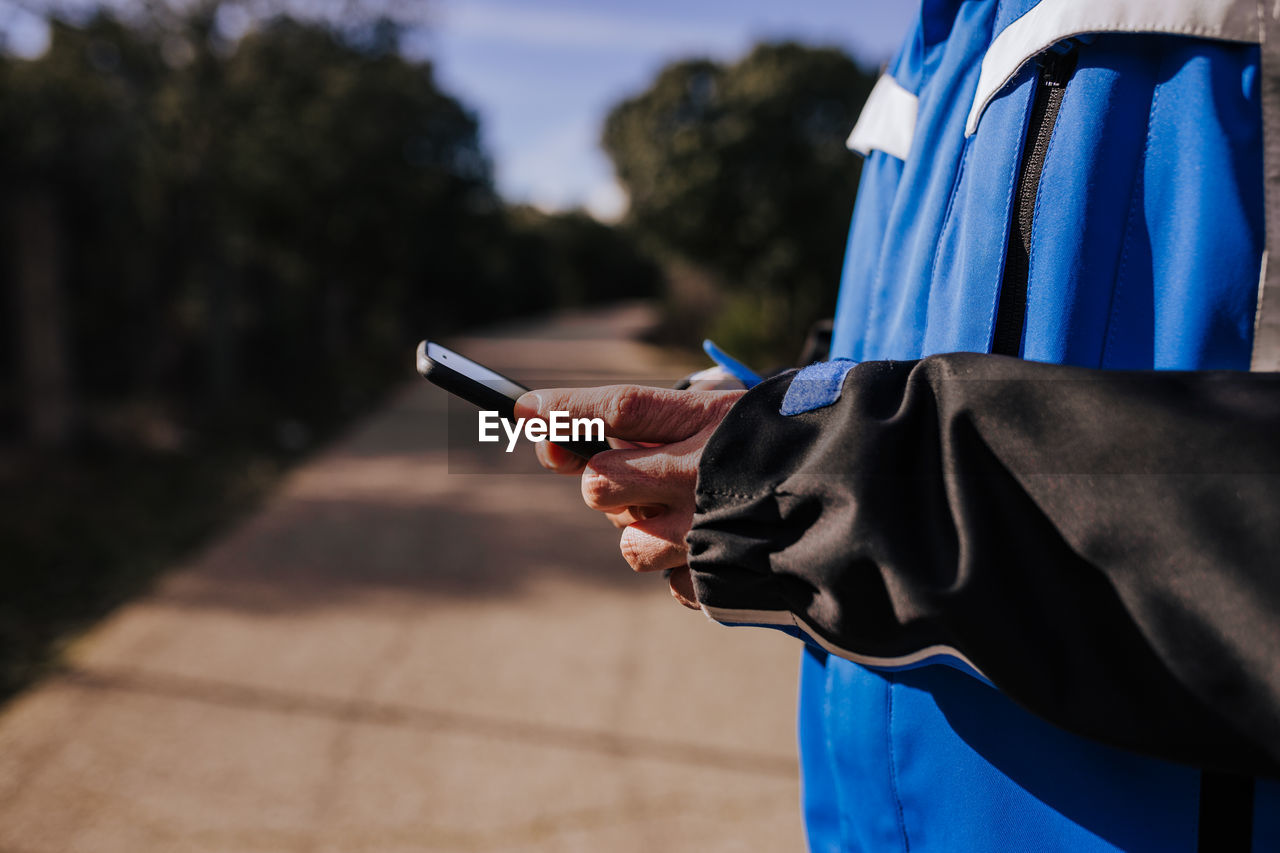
646	485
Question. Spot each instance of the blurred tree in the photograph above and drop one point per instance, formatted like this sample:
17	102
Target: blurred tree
249	228
742	169
359	204
40	312
572	259
256	218
71	151
222	232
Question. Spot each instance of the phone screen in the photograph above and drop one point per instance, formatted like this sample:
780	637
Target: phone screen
468	368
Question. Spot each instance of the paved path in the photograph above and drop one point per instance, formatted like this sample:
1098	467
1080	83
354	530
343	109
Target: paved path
412	648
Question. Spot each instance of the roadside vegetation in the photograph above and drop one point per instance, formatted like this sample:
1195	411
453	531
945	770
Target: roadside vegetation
740	181
215	251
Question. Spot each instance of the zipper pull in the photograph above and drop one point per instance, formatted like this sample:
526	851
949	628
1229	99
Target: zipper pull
1057	65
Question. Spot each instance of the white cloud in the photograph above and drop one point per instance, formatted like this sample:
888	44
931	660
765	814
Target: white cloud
562	169
607	200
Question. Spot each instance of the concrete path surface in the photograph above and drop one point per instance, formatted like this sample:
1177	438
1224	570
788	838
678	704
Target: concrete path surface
415	646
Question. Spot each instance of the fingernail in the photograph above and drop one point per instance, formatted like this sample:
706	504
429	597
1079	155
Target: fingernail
530	400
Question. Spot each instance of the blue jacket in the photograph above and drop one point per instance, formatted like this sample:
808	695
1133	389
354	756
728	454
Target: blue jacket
1142	246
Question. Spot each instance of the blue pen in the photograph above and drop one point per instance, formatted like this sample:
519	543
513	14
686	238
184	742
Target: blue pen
731	365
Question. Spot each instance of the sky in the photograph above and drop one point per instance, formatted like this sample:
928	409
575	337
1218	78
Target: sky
542	74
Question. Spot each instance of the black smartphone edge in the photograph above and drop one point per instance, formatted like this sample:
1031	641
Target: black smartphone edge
483	397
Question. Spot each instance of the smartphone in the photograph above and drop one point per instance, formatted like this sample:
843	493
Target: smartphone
485	388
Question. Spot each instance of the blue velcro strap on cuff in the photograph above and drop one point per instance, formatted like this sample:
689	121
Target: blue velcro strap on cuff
816	386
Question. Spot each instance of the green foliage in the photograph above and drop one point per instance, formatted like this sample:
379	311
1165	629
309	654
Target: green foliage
574	260
261	230
251	238
356	197
742	169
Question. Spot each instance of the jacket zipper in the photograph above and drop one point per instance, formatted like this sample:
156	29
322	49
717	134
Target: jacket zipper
1055	71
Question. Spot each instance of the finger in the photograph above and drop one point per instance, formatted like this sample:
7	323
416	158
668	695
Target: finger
633	412
638	477
621	518
655	544
555	458
681	584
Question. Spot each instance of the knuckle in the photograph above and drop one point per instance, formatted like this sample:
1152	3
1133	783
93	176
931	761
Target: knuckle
597	488
645	552
682	471
628	405
631	550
